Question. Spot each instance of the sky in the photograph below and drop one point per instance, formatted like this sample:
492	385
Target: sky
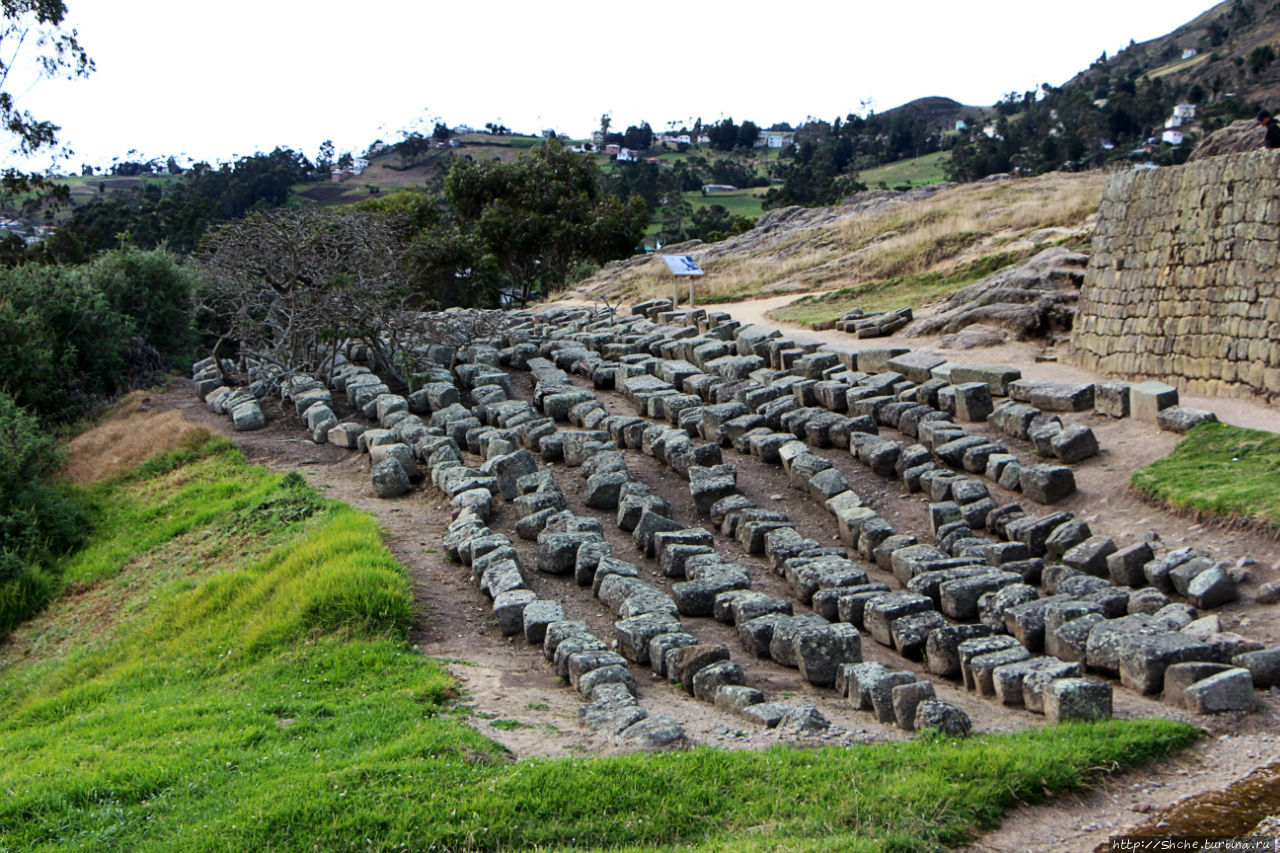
213	81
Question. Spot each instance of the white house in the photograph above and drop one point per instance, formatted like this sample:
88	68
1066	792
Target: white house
1171	137
683	139
775	140
961	124
1185	111
1189	53
628	155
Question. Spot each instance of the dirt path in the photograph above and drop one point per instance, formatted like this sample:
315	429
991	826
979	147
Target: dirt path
517	700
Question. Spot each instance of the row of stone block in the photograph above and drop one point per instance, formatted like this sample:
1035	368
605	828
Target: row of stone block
241	405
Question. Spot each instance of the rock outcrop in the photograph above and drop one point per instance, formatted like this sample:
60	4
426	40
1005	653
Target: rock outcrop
1239	137
1037	297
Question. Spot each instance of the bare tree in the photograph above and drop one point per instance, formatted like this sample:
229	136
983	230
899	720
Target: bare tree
292	286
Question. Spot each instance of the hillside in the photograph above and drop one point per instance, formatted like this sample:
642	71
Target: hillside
874	238
1234	47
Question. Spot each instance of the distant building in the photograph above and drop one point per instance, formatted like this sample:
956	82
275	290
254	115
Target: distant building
1171	137
961	124
774	140
683	139
719	188
1185	111
612	148
1189	53
628	155
991	132
548	132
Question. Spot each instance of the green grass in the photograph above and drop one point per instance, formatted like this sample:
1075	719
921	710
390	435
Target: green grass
916	172
746	202
239	679
1221	469
914	289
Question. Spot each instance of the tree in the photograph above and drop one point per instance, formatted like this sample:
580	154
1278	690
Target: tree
441	132
639	138
324	157
539	217
1261	57
35	25
288	285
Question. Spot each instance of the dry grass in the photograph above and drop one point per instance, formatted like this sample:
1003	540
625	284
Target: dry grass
933	235
128	435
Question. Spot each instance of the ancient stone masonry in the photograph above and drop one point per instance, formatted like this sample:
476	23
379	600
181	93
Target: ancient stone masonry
1183	285
1017	605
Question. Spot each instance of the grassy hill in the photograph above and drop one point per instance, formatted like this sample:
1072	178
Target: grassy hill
879	250
915	172
227	669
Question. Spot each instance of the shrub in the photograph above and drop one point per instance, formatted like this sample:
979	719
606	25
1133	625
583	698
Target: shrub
153	290
61	344
37	520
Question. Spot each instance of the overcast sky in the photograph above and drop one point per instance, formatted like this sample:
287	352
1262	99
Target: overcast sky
217	80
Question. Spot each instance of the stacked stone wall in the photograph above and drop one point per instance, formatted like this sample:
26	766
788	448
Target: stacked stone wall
1183	284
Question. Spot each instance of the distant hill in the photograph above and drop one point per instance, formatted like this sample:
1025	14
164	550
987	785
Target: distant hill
936	112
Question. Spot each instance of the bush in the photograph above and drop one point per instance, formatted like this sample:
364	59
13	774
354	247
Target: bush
153	290
38	521
72	336
61	344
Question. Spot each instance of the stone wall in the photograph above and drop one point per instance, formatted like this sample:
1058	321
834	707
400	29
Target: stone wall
1183	284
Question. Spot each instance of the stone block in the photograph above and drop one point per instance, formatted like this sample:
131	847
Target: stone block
635	634
942	648
880	612
942	717
973	402
1181	419
685	662
1263	665
1145	657
1112	398
906	698
1208	688
1047	484
508	609
1068	699
537	616
1148	399
1124	566
709	679
821	649
1074	443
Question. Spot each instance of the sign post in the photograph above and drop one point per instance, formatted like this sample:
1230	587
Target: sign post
682	265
